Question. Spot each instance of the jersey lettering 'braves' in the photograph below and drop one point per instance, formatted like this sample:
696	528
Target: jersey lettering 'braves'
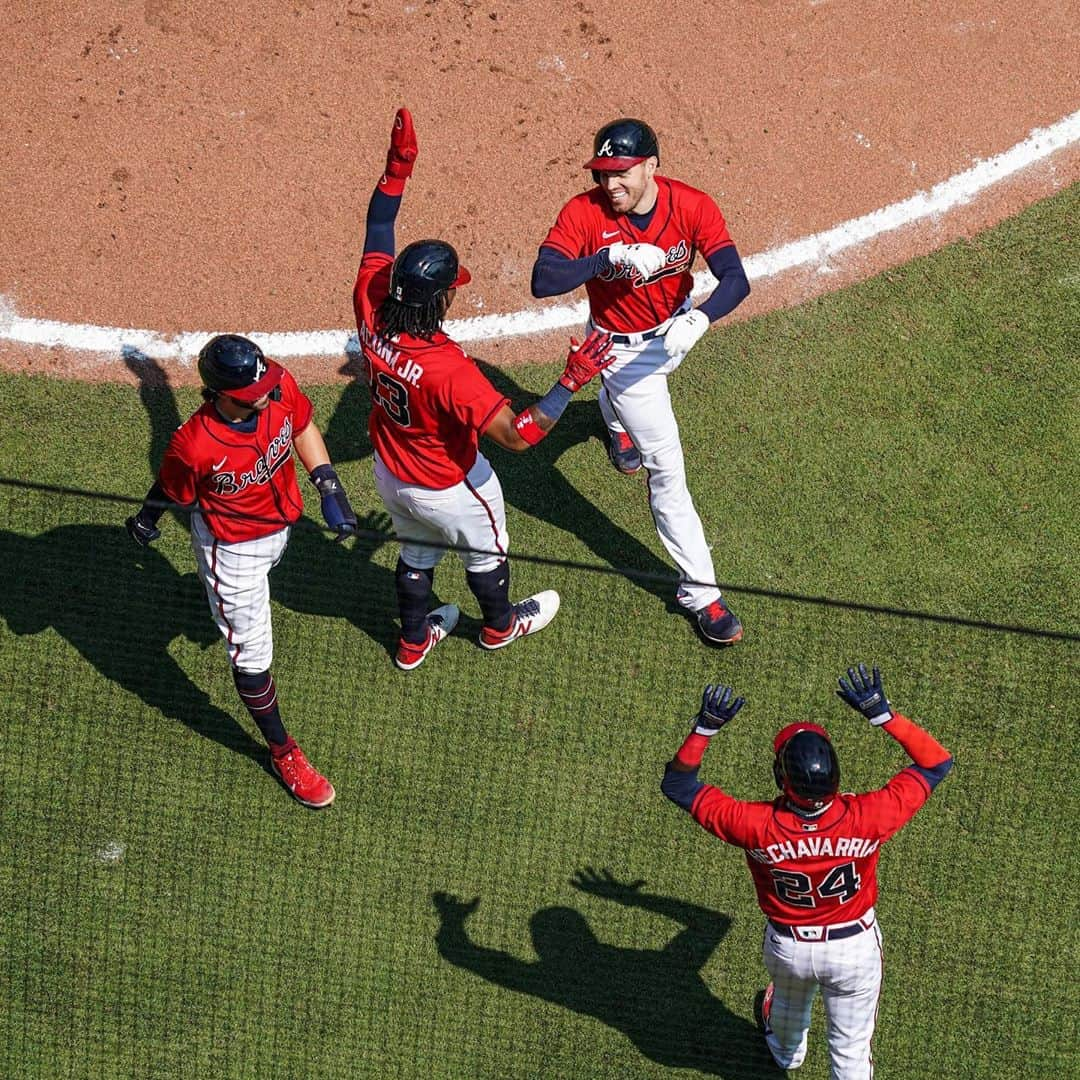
430	402
685	221
814	872
244	482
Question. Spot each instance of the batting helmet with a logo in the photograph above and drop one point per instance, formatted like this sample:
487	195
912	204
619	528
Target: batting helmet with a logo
234	365
423	270
621	145
806	768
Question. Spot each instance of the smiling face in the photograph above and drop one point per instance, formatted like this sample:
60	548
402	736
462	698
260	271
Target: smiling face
632	190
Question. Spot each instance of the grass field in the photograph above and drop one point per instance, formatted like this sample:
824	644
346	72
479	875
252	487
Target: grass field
167	911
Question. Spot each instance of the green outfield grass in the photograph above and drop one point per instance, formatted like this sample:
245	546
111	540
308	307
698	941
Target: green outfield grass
166	910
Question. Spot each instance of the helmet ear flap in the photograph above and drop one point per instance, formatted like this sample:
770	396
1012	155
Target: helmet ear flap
778	776
596	176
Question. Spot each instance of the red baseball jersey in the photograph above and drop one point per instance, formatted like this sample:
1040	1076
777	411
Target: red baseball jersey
813	873
244	482
430	402
684	222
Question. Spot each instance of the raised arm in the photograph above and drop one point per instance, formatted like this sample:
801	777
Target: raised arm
864	693
386	198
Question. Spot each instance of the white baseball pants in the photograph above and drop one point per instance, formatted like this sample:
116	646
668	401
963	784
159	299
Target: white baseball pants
471	514
848	973
236	579
634	398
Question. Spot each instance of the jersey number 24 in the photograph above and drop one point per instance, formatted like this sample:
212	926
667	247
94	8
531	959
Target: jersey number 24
840	883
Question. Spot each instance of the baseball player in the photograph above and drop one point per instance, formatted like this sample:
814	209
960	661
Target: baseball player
813	853
233	462
631	241
430	404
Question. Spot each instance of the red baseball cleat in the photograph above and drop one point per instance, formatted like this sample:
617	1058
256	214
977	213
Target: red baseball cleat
440	622
530	616
719	625
307	786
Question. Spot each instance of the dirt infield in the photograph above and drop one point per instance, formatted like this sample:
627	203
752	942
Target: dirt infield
183	166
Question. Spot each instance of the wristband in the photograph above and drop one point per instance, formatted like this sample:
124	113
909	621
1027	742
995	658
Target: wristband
553	403
528	428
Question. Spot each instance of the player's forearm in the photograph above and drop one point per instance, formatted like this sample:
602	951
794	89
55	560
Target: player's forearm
732	285
381	214
919	744
554	274
311	448
154	504
681	784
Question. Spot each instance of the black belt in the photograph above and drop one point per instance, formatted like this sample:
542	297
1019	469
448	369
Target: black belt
631	339
823	933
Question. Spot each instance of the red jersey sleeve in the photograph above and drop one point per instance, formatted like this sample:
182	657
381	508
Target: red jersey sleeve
710	228
298	403
177	475
470	397
570	233
883	813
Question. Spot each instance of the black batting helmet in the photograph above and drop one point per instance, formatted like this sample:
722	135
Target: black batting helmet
234	365
425	269
622	144
806	767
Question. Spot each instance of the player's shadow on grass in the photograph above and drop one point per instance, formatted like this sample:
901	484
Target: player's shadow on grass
656	997
533	482
121	608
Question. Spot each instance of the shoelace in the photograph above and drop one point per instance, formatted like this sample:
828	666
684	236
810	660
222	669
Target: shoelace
527	608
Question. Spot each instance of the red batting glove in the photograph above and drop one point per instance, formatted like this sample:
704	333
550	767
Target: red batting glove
403	149
585	361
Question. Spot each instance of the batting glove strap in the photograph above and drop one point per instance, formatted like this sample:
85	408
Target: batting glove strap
325	480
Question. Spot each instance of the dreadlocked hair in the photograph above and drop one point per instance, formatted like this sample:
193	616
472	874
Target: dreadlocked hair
422	322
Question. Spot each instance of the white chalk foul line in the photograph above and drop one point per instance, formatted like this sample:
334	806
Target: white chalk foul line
810	251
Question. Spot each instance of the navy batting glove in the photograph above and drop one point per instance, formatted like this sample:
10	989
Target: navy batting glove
143	532
717	709
335	507
864	693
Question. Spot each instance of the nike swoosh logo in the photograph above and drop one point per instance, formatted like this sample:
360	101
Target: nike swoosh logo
607	234
221	462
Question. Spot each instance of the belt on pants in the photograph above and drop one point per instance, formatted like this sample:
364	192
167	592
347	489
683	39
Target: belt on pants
645	335
823	933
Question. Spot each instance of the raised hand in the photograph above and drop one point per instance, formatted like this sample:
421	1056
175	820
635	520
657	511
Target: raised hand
685	332
585	361
717	708
403	149
864	693
604	883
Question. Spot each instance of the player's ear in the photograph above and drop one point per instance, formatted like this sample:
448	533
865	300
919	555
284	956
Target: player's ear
651	164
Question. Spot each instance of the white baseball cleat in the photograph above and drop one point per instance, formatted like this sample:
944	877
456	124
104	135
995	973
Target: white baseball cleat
440	622
530	616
